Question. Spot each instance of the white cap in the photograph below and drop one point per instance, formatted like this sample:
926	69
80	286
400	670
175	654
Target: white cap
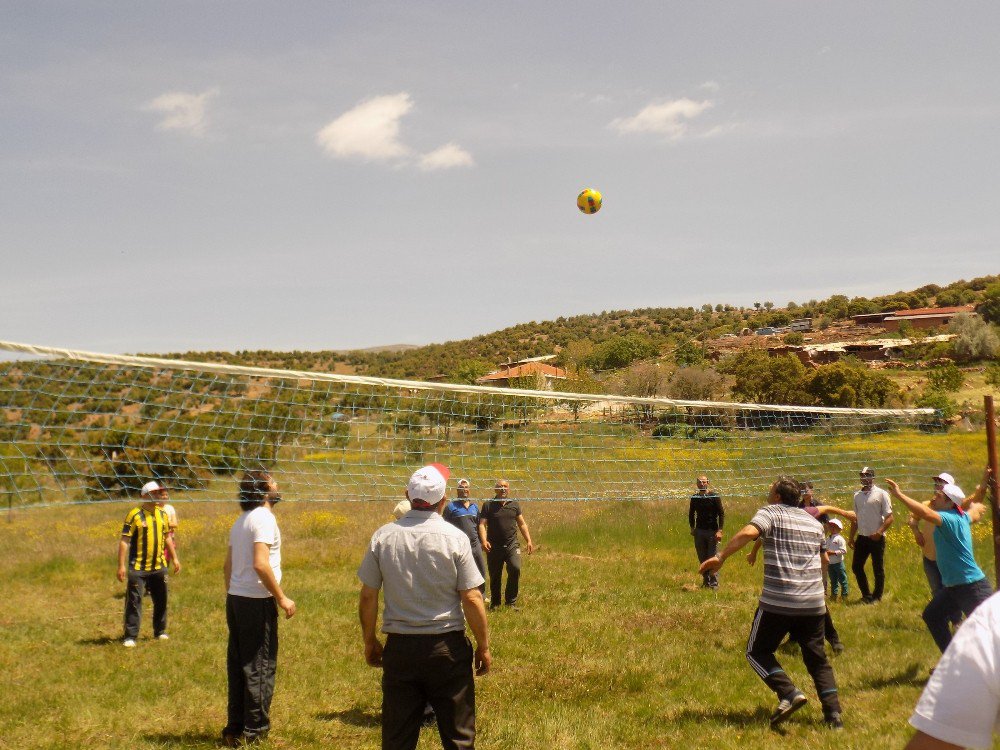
150	487
401	509
836	522
428	485
954	493
946	477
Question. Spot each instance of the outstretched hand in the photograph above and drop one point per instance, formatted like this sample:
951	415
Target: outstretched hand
711	565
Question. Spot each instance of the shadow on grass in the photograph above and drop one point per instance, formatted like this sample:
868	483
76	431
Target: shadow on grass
101	640
183	739
727	716
913	675
356	717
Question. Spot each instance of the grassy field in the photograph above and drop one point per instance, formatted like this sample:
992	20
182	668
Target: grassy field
616	646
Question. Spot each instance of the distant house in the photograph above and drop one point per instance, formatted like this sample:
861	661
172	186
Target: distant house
546	376
925	317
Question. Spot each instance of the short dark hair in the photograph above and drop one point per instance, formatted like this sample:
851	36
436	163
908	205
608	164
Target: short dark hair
787	490
254	488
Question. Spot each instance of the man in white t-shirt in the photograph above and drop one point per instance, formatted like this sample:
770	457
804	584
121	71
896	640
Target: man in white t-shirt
874	511
253	586
960	706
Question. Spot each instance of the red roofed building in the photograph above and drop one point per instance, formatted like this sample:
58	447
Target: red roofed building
925	317
545	376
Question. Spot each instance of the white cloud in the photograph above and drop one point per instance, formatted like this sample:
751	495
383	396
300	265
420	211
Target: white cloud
369	131
449	156
710	86
182	111
668	118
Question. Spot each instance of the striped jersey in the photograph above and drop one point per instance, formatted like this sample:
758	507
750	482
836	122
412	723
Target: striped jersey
793	568
147	533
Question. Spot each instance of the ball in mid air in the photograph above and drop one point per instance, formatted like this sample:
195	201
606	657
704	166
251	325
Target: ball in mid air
589	201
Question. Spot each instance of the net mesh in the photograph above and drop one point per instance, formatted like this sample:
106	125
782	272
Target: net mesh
81	427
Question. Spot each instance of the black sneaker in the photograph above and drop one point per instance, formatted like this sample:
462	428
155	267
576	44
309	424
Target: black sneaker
833	720
787	707
867	600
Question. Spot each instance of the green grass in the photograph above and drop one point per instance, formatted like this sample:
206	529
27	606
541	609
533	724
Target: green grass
616	646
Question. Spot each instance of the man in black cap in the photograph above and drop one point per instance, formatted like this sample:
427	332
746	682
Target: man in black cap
874	511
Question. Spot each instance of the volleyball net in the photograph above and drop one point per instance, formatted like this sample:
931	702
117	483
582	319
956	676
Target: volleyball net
81	427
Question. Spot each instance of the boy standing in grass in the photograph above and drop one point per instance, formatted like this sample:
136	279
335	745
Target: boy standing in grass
145	542
836	548
792	601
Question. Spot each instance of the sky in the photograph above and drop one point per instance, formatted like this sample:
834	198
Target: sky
326	175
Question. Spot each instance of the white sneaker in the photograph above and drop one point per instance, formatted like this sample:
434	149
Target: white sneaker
163	637
129	643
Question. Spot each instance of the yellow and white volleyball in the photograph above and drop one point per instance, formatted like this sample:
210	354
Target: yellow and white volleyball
589	201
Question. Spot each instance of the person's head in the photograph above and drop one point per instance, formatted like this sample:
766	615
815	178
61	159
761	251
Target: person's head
702	483
867	477
500	489
428	487
785	490
154	492
948	497
806	492
834	526
942	479
256	488
463	489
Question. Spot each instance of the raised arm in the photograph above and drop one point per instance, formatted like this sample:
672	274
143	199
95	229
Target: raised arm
918	509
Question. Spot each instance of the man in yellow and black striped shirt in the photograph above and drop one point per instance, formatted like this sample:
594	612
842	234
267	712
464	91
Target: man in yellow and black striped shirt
144	540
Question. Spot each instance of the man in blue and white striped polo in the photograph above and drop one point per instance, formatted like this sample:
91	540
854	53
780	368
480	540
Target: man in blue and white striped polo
792	601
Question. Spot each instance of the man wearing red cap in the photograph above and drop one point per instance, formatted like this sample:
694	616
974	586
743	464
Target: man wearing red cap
964	585
430	588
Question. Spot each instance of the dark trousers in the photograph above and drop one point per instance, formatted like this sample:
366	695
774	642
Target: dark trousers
706	546
829	629
418	670
138	582
496	558
941	610
934	581
251	662
767	632
863	549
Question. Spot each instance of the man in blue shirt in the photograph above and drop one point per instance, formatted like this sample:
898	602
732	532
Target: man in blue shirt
964	584
464	514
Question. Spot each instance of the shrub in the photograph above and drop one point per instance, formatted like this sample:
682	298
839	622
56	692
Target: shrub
946	379
795	338
975	338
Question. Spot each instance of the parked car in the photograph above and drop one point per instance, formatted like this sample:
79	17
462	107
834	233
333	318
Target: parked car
766	331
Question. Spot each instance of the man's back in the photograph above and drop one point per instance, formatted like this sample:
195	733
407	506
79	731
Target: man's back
793	568
422	563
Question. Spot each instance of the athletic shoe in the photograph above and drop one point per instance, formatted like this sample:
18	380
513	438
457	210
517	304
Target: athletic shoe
163	637
838	648
129	643
229	740
833	720
787	707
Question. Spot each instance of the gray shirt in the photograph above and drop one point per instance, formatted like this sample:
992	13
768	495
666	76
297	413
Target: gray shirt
872	507
793	569
423	562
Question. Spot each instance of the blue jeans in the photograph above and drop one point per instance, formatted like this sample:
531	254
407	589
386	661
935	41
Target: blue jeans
838	578
939	612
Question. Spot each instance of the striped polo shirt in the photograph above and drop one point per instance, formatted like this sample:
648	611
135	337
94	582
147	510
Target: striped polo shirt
146	531
793	568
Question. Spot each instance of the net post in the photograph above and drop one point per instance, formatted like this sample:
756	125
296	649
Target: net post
991	457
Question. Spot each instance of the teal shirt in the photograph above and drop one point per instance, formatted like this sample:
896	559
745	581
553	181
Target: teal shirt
953	541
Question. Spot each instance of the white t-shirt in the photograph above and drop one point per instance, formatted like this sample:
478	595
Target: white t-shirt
961	702
835	548
257	525
872	507
171	515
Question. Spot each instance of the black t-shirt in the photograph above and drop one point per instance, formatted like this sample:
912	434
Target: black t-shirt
706	512
501	522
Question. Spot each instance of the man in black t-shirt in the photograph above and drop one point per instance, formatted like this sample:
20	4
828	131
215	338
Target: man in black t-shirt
499	523
705	517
